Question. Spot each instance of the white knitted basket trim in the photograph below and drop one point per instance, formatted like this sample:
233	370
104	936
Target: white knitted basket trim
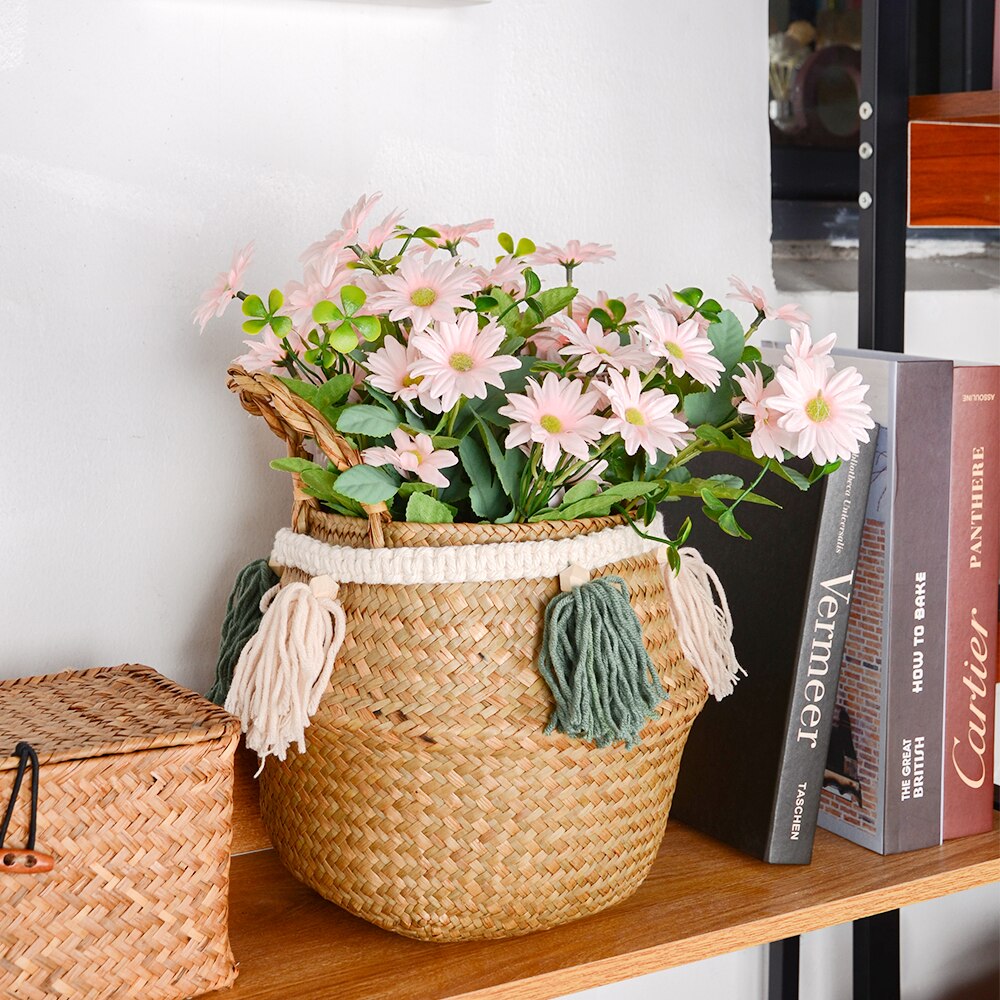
461	563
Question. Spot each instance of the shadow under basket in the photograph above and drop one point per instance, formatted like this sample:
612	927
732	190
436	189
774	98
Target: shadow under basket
429	800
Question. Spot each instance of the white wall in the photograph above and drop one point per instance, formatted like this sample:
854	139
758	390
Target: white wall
142	140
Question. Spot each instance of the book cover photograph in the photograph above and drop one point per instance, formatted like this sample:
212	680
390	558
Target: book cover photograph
882	780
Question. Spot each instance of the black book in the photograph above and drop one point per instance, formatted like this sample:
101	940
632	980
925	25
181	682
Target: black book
753	767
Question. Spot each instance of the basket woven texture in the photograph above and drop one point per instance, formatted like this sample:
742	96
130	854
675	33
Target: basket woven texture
135	802
428	800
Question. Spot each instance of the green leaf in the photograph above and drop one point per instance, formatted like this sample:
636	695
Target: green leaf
711	500
711	305
343	339
281	325
368	326
367	484
253	326
414	486
694	487
352	298
506	242
326	312
505	309
795	477
617	309
554	300
631	490
332	391
252	306
727	338
725	479
275	300
581	491
293	464
486	494
321	482
711	434
524	247
727	522
425	509
442	441
708	407
535	307
602	316
508	463
305	390
750	354
689	296
425	233
484	303
364	419
532	283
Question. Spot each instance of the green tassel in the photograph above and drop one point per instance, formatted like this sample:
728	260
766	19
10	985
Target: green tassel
242	620
593	659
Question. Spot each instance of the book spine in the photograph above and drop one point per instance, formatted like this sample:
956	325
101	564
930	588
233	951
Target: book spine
821	646
973	571
917	606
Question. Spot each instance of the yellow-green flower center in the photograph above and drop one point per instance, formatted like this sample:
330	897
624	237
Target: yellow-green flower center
461	361
423	297
673	349
551	424
409	380
634	416
602	350
817	409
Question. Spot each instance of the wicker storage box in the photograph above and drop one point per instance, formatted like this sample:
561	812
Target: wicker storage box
135	806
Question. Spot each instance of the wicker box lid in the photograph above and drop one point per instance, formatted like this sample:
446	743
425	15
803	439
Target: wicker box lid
108	710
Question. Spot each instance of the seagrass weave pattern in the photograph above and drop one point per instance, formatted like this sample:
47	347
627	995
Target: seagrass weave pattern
135	803
429	800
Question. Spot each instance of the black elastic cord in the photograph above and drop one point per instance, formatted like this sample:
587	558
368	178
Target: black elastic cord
26	754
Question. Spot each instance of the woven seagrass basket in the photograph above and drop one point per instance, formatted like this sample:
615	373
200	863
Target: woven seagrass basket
429	800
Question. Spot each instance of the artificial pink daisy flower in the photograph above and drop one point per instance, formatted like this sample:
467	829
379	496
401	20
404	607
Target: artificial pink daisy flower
385	230
687	350
449	237
792	313
266	353
582	306
801	346
549	341
413	455
767	438
458	359
215	299
557	414
824	410
326	254
644	419
425	292
391	368
572	254
594	348
301	296
505	274
667	300
748	293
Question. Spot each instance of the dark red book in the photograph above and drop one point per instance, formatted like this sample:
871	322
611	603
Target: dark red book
973	571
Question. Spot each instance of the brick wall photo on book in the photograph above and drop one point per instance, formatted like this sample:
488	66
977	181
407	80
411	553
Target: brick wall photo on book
882	784
973	571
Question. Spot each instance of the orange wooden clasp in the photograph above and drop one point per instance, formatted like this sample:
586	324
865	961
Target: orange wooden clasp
20	861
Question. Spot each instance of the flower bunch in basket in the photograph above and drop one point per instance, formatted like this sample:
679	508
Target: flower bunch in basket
474	390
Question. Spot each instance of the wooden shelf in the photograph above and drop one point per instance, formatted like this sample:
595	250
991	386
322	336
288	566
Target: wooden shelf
702	899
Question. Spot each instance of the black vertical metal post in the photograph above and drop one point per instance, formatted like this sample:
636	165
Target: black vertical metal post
876	957
783	969
884	113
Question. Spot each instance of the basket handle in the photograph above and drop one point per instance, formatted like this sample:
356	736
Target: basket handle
24	861
293	420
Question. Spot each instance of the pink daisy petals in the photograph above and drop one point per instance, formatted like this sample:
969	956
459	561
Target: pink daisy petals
824	410
391	368
266	353
791	313
557	414
505	274
458	359
301	296
425	293
644	419
687	350
748	293
215	299
450	236
572	254
385	230
667	300
767	439
595	348
326	254
413	454
582	307
801	346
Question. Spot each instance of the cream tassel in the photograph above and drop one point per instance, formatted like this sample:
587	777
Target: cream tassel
284	670
704	624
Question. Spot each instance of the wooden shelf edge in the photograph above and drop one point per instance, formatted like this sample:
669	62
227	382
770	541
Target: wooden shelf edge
971	106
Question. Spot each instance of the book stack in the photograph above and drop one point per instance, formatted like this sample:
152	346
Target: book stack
868	706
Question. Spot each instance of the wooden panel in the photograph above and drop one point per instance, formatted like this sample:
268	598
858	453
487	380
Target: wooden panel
702	899
954	174
248	830
972	106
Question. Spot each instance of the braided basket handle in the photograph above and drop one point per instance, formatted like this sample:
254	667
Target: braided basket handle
293	420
